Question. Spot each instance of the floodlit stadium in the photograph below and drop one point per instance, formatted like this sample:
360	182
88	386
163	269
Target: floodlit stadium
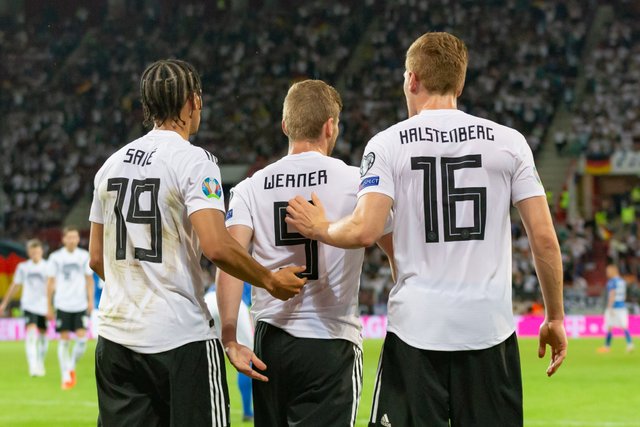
94	242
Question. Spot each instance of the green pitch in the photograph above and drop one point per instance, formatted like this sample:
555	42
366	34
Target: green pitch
590	390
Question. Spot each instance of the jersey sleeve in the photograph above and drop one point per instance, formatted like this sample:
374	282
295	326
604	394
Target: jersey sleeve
239	212
611	284
376	175
201	184
525	181
18	276
52	267
95	214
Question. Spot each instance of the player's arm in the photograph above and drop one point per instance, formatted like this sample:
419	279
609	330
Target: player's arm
51	287
362	228
226	253
7	296
90	286
611	298
386	244
536	218
96	255
229	294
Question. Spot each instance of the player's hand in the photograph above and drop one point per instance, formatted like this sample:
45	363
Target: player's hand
309	219
242	357
552	334
285	283
89	309
50	314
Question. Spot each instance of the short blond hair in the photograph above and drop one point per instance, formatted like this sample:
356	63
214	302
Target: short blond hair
307	107
34	243
439	60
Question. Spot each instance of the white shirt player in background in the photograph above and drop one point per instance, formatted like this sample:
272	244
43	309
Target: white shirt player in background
616	314
157	207
327	307
70	294
32	276
450	178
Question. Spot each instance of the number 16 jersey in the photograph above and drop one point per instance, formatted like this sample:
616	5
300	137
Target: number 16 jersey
452	177
153	297
327	306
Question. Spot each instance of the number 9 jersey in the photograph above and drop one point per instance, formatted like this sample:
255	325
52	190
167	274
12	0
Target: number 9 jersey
327	307
153	298
452	177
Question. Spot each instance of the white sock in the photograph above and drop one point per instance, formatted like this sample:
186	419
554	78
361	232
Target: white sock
78	351
43	346
63	358
31	343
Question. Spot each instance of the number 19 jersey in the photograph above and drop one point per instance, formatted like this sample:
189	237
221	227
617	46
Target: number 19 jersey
327	306
452	177
153	297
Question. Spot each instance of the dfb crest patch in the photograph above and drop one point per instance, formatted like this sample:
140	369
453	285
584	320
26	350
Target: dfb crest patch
367	162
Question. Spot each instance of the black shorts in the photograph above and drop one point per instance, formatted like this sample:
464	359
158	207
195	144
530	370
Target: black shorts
419	388
71	322
35	319
185	386
312	382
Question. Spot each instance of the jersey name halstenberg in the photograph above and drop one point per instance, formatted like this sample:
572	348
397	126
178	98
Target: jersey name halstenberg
310	179
460	134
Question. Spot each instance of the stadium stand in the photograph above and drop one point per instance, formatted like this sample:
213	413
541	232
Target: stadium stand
70	96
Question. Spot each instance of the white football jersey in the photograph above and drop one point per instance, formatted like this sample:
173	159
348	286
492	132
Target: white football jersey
69	269
452	177
152	299
33	278
327	306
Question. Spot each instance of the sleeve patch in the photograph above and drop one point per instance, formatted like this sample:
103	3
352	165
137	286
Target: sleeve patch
211	188
369	181
367	162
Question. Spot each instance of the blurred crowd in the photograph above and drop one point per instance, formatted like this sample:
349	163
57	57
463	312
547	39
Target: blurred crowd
70	85
70	90
608	119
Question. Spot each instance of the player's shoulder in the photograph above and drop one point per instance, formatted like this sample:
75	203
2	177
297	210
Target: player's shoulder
82	252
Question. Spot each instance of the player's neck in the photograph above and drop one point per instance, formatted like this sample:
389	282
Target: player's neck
70	250
298	147
183	131
437	102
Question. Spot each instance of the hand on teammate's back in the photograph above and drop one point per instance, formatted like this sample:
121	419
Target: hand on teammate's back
241	357
307	217
552	334
285	283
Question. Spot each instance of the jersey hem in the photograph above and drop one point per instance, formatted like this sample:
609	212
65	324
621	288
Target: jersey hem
452	346
300	333
240	222
363	192
158	349
527	196
96	220
202	207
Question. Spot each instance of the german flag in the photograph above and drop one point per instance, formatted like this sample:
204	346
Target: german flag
598	166
11	254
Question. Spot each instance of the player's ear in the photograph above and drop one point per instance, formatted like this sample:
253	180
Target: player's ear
284	128
328	128
414	83
197	101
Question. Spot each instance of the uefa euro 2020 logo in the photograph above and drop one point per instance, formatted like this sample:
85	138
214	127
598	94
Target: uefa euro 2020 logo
211	188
